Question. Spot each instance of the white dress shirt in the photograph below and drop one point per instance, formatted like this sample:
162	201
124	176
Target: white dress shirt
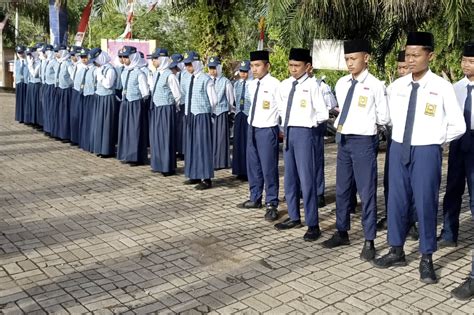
108	78
438	116
308	108
143	84
368	106
460	88
329	98
266	106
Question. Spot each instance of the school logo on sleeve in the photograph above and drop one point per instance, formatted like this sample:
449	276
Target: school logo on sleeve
266	104
362	101
303	103
430	109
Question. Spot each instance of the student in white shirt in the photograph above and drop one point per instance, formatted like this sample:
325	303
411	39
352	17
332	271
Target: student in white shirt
262	142
363	103
425	114
302	108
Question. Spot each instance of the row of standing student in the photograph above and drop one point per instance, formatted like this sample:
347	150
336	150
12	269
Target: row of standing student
300	103
423	110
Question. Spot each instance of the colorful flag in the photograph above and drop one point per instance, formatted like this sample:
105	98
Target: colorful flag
58	22
81	30
127	34
261	28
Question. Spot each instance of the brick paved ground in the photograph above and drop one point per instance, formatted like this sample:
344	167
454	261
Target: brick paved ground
83	234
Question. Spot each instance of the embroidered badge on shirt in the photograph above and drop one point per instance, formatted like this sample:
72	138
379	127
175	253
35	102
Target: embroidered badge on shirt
362	101
303	103
266	105
242	101
430	109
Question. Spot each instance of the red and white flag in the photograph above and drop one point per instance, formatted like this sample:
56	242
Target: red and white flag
127	34
261	28
81	30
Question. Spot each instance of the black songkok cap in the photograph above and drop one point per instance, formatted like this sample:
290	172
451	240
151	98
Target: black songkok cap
300	54
468	50
420	39
401	56
259	55
356	45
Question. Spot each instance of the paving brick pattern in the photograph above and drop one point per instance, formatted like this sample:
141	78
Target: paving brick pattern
80	234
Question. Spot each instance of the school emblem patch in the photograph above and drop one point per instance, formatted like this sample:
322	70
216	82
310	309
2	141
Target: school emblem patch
242	63
186	55
266	105
362	101
303	103
430	109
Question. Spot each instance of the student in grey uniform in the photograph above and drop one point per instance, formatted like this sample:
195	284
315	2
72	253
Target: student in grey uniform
33	112
425	114
88	105
165	97
241	126
363	102
107	109
49	94
200	101
177	66
64	83
302	108
77	77
133	117
220	125
21	81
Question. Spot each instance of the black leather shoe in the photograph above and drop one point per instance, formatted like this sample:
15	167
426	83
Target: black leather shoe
465	291
413	233
427	273
393	258
312	234
368	251
337	239
271	214
242	178
382	224
321	201
204	184
166	174
445	243
191	181
288	224
249	204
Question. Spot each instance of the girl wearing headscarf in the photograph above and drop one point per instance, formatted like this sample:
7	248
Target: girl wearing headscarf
133	117
241	126
61	126
177	67
49	94
32	111
88	103
200	100
78	77
165	97
221	129
107	108
21	81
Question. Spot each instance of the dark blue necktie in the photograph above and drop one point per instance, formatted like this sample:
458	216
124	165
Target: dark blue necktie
156	83
345	110
242	97
410	120
466	138
190	94
288	110
254	104
125	86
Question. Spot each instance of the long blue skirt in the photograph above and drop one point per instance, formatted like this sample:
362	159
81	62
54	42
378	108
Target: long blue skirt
74	114
105	122
239	149
163	138
20	101
39	105
64	104
48	98
180	131
133	132
85	122
92	132
54	111
198	157
221	141
32	101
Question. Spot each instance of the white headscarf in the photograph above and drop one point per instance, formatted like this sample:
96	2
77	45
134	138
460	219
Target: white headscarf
164	63
63	55
142	63
197	66
219	70
49	55
102	59
134	61
181	66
